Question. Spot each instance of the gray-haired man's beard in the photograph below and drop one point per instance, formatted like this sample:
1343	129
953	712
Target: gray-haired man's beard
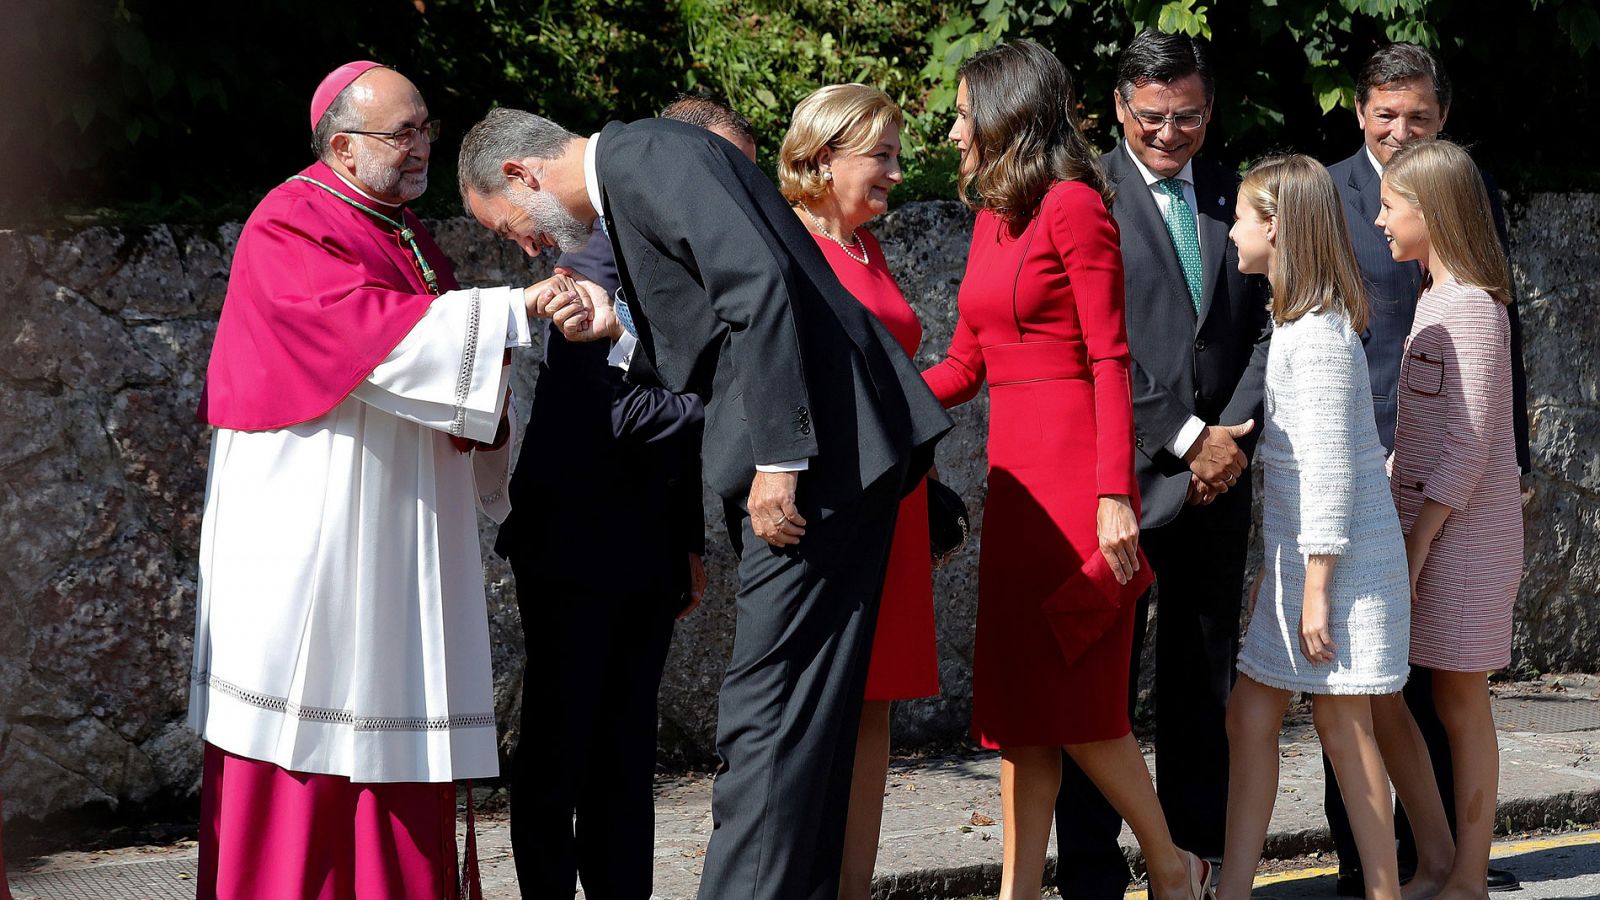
385	180
550	217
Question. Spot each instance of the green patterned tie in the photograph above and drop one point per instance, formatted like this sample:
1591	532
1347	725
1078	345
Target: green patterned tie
1185	239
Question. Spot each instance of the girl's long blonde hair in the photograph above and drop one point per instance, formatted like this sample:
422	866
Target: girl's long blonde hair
1315	267
1440	179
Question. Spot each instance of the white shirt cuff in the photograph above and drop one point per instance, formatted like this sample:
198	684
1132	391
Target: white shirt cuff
518	334
1186	437
793	465
622	351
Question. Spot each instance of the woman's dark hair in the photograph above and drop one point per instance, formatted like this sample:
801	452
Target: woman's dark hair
1025	134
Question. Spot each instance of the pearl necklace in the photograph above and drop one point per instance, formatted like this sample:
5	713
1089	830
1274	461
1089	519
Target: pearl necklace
823	230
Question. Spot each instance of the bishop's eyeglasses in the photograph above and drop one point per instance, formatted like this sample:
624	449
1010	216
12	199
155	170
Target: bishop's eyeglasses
403	138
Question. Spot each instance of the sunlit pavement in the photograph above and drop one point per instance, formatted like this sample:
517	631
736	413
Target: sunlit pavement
1558	867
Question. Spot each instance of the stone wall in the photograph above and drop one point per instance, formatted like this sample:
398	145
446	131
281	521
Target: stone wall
104	334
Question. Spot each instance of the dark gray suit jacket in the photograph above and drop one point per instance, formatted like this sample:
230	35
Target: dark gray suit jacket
732	300
1212	365
1393	288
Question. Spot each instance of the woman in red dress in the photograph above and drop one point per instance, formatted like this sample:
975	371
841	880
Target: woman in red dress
837	165
1041	320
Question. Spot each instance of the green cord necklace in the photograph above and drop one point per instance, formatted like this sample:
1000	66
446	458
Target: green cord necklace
406	234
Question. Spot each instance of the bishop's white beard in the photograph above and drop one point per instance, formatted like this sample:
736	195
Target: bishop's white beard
386	180
550	217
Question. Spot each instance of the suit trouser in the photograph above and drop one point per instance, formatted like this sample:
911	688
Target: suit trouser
791	701
1419	698
1199	560
588	742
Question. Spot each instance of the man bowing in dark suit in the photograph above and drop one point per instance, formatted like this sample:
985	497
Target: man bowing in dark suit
816	422
1198	332
1403	95
596	643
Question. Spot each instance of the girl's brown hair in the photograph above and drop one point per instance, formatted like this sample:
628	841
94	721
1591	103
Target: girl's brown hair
1315	266
1440	179
1025	135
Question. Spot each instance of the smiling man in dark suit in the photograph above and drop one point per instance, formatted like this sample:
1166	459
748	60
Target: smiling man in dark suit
816	424
1403	95
1198	331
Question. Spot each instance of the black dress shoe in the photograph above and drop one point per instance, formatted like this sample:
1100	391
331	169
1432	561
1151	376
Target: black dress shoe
1501	880
1350	884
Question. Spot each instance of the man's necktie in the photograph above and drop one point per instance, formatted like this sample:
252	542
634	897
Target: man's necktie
1185	238
624	314
618	305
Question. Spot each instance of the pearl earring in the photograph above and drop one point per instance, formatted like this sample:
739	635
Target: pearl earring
827	175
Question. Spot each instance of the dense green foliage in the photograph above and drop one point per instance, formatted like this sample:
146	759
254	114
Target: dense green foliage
178	109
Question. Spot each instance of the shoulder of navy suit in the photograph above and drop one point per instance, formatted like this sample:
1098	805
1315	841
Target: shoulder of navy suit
1214	175
1354	173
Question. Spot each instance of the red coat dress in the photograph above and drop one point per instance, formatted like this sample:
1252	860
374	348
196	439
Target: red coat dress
905	661
1041	320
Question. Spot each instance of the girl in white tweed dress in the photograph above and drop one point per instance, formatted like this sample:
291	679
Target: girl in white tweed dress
1334	597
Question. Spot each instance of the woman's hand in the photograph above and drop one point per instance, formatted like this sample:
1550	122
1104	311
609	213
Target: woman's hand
1416	559
697	585
1419	540
1316	639
1118	530
1255	589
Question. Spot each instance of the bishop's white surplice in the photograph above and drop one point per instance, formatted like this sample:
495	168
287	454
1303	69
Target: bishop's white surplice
342	626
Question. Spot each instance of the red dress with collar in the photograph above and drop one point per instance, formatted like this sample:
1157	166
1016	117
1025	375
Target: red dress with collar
905	662
1041	321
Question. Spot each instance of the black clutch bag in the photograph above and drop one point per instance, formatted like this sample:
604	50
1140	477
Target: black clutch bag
948	526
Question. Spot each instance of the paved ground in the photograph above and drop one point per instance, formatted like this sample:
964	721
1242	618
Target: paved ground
1552	867
941	835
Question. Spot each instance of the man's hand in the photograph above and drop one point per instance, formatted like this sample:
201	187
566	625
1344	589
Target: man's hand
1215	455
773	516
585	314
1199	493
697	585
1118	530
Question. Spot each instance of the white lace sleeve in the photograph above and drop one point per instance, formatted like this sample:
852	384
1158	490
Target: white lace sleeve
447	373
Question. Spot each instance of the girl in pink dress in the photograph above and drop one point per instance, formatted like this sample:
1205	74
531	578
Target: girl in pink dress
1455	481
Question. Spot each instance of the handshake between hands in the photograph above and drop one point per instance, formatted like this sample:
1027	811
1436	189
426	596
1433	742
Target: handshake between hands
579	308
1215	461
